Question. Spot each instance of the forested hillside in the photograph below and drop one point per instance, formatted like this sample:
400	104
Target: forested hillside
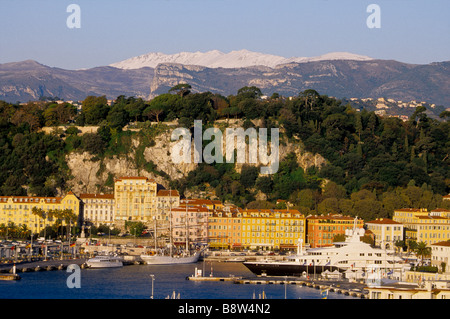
374	164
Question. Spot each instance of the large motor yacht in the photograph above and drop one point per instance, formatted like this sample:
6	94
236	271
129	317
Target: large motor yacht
351	254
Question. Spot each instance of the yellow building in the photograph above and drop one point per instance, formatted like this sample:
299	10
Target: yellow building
135	199
272	229
386	232
421	225
18	210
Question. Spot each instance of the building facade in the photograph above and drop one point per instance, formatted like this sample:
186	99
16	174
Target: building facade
98	209
135	199
423	226
271	229
225	229
386	232
189	223
17	210
440	253
322	229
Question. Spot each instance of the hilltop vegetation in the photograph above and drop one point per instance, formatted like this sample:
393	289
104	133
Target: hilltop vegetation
374	164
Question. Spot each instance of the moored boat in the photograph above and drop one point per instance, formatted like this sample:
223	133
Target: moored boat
352	255
105	262
153	258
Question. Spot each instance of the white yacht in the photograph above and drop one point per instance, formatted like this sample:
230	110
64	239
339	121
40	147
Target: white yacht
159	259
350	255
105	262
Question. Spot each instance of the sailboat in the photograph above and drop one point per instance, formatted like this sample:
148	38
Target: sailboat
158	258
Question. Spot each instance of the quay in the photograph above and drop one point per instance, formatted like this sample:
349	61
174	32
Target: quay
9	277
193	278
341	287
41	265
352	289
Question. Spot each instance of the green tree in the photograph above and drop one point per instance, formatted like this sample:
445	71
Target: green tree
422	251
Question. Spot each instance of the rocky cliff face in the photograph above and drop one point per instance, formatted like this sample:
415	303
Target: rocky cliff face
91	175
338	78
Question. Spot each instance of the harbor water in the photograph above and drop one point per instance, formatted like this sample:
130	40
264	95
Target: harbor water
135	282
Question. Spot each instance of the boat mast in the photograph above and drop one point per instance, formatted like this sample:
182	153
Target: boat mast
170	226
187	228
154	233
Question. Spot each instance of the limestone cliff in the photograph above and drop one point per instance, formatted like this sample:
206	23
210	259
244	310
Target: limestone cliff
91	174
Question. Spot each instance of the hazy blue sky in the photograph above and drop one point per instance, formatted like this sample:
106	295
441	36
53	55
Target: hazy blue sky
414	31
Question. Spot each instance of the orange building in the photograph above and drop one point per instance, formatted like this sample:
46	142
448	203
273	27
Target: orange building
224	229
321	230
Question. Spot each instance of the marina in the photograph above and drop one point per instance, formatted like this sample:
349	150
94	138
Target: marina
230	281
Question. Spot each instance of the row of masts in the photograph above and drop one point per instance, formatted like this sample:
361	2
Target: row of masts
171	230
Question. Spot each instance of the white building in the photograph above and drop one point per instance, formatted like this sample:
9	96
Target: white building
98	208
440	253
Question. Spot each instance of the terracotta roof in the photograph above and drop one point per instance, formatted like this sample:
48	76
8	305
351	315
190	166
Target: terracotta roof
339	217
442	243
135	177
107	196
165	192
383	221
431	217
30	199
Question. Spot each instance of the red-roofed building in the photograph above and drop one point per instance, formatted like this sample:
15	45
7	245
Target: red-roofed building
385	232
440	253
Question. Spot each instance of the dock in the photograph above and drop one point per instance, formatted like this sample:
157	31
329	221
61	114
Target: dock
194	278
348	289
9	277
41	265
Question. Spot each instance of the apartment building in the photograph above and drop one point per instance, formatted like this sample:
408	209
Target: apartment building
385	232
189	223
165	200
440	253
98	209
421	225
135	199
271	229
18	210
225	229
321	229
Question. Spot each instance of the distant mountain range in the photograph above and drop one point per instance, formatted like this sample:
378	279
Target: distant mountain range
335	74
234	59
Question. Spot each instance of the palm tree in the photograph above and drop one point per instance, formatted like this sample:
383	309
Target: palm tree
23	231
3	230
41	214
412	245
69	217
422	250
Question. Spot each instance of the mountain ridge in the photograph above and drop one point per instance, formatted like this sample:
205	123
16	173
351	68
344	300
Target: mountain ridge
30	80
233	59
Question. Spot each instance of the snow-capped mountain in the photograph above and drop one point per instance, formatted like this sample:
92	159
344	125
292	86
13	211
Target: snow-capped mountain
233	59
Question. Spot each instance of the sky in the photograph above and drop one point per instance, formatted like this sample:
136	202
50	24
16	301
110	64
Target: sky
411	31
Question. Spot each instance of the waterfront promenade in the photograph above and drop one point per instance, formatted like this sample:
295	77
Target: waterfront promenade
40	265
